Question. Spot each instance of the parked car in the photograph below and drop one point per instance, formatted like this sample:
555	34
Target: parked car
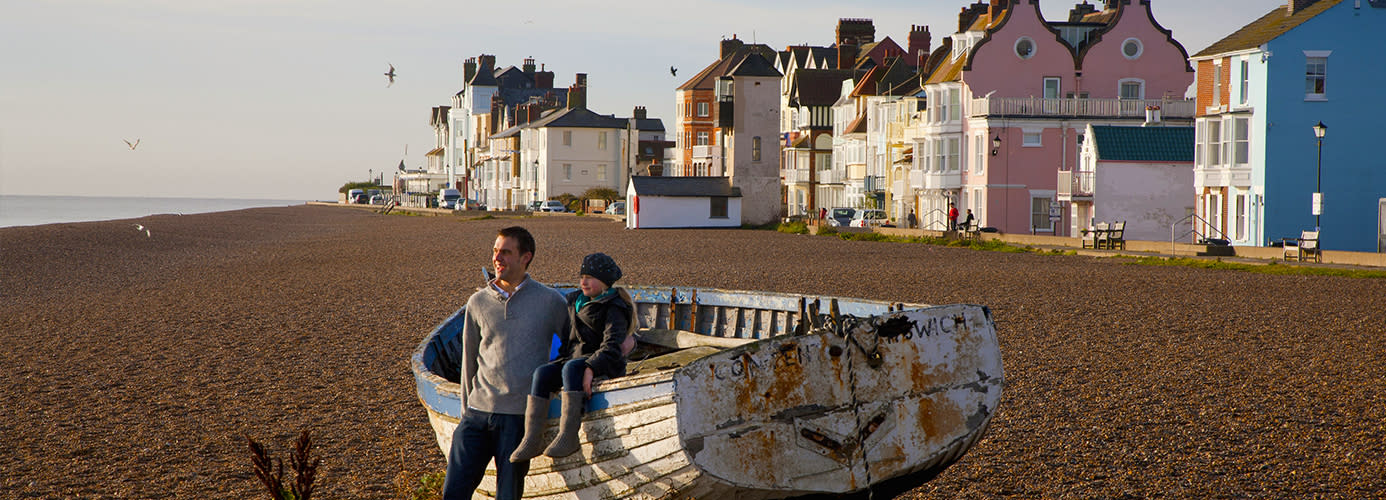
617	208
448	198
356	196
869	218
553	206
378	199
536	206
840	216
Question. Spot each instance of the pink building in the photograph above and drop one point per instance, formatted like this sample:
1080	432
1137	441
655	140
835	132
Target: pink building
1011	94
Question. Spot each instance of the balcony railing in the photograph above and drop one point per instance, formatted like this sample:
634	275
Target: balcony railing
796	176
706	152
1074	184
1088	108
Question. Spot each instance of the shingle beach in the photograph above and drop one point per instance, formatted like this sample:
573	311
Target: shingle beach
134	364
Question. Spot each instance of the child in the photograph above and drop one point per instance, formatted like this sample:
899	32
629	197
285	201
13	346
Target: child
601	336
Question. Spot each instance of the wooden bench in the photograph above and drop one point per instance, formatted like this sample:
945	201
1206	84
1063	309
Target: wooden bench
1116	236
1094	237
1303	247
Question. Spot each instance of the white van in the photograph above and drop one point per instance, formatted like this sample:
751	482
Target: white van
356	196
447	198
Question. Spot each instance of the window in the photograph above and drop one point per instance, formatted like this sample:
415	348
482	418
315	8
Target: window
601	172
1240	229
1214	142
1051	88
951	155
1217	84
938	157
1132	89
1132	48
567	138
977	156
1241	150
755	148
1245	82
1316	78
1198	143
1033	138
567	171
702	139
601	140
702	109
1025	48
954	105
719	207
1039	213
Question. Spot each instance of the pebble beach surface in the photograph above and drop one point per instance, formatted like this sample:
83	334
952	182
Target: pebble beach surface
133	365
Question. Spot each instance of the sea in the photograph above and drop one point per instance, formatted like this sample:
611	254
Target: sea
30	210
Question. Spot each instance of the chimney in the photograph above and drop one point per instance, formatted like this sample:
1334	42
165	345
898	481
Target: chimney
1152	116
543	79
1297	5
920	39
970	14
639	113
728	47
1080	11
851	35
488	63
577	94
468	69
996	7
529	66
497	112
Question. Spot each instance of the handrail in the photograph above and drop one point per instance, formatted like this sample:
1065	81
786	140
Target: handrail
931	223
1191	218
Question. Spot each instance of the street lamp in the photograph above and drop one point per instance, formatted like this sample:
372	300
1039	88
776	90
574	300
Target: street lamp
995	145
534	183
1319	131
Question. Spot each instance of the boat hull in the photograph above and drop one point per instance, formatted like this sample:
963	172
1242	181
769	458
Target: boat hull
886	400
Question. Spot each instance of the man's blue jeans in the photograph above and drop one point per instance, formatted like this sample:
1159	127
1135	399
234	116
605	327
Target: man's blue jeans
480	438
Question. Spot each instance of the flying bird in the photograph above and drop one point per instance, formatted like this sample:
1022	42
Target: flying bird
391	75
132	144
673	71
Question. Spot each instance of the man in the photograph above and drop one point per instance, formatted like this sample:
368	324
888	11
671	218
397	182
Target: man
504	338
952	217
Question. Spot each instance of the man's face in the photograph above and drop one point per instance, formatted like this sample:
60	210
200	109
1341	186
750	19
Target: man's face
510	264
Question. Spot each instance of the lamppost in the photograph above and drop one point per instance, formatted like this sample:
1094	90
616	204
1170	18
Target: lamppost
1319	131
534	183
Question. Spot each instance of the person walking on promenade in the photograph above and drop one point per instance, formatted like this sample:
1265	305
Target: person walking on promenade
912	221
602	333
952	217
504	337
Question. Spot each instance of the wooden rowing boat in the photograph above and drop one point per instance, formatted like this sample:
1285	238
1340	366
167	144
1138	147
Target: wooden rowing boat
748	395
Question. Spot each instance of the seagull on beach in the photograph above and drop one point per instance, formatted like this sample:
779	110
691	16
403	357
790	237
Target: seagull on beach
132	144
142	228
391	75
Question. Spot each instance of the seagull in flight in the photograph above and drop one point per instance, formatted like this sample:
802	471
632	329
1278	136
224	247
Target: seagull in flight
391	75
132	144
142	228
673	71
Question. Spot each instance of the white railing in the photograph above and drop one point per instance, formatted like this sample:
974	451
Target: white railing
1071	183
796	176
1105	108
706	152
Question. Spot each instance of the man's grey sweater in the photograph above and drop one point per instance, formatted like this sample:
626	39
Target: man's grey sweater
504	340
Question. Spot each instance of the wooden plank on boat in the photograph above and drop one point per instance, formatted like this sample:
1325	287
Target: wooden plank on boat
680	339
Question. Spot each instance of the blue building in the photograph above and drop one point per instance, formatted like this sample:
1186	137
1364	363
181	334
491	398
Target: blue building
1261	91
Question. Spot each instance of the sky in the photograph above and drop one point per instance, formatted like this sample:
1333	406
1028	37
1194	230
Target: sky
287	99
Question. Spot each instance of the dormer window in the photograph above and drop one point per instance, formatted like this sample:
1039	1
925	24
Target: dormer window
1024	48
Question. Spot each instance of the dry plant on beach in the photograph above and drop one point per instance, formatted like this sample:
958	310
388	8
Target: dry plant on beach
271	472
